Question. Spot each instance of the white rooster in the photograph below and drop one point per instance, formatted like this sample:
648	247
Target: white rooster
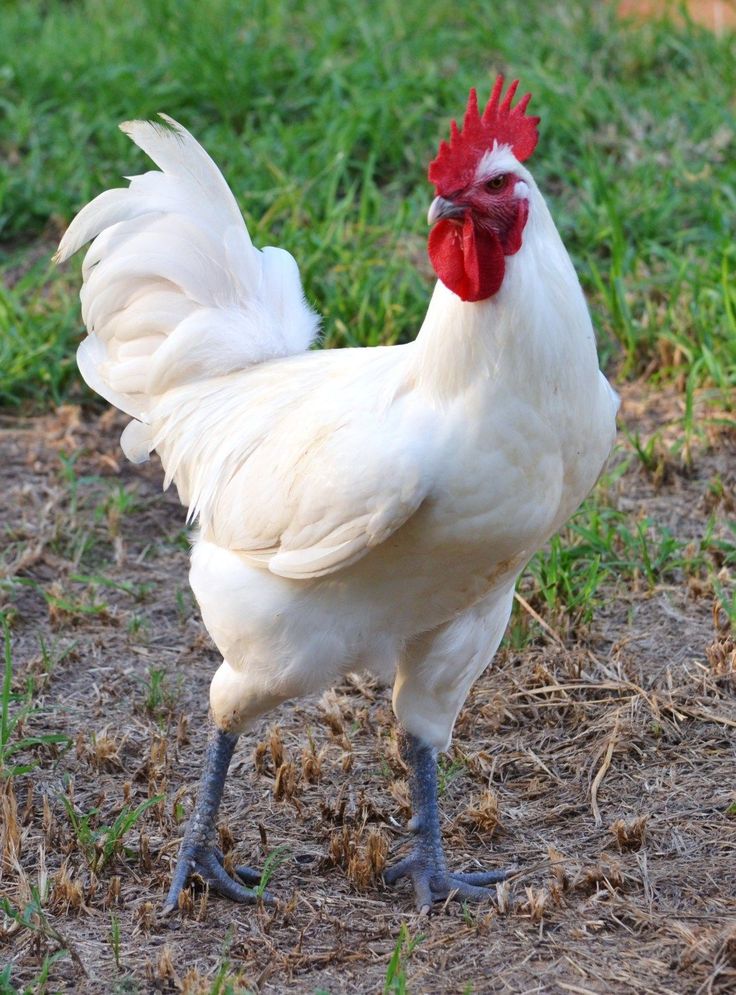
357	509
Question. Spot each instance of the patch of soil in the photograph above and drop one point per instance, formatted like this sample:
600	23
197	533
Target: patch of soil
602	761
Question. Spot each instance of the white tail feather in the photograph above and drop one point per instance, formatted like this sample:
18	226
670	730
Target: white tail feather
174	290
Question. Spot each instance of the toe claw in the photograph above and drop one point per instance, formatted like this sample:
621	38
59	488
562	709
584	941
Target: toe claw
248	875
208	864
423	892
462	892
484	877
400	869
433	883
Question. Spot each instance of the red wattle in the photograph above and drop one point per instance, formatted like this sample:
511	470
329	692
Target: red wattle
468	260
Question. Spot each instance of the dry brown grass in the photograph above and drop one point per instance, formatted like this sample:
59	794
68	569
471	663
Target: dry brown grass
603	761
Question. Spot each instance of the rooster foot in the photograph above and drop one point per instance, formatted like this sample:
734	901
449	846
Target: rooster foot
426	866
208	863
434	883
198	854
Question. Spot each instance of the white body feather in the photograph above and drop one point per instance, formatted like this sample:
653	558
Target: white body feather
357	508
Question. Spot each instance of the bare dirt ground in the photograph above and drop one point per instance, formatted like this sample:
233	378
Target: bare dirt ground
602	759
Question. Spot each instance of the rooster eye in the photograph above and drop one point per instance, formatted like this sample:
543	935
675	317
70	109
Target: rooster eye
496	182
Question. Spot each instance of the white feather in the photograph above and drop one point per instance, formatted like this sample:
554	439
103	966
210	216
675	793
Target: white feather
174	291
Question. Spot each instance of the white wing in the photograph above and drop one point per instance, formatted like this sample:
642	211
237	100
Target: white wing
305	464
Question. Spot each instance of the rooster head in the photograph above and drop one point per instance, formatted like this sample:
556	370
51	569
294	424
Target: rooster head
482	201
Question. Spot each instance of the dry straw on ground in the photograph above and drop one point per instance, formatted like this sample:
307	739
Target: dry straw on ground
601	759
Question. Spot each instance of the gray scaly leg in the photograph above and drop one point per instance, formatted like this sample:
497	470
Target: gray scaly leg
198	853
426	866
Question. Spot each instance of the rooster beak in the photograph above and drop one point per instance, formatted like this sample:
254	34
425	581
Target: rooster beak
441	208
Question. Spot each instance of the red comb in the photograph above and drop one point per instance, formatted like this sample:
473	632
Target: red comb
456	161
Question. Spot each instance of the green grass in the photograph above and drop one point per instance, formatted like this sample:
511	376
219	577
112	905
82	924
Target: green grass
33	919
602	550
271	864
324	117
396	972
16	709
101	843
